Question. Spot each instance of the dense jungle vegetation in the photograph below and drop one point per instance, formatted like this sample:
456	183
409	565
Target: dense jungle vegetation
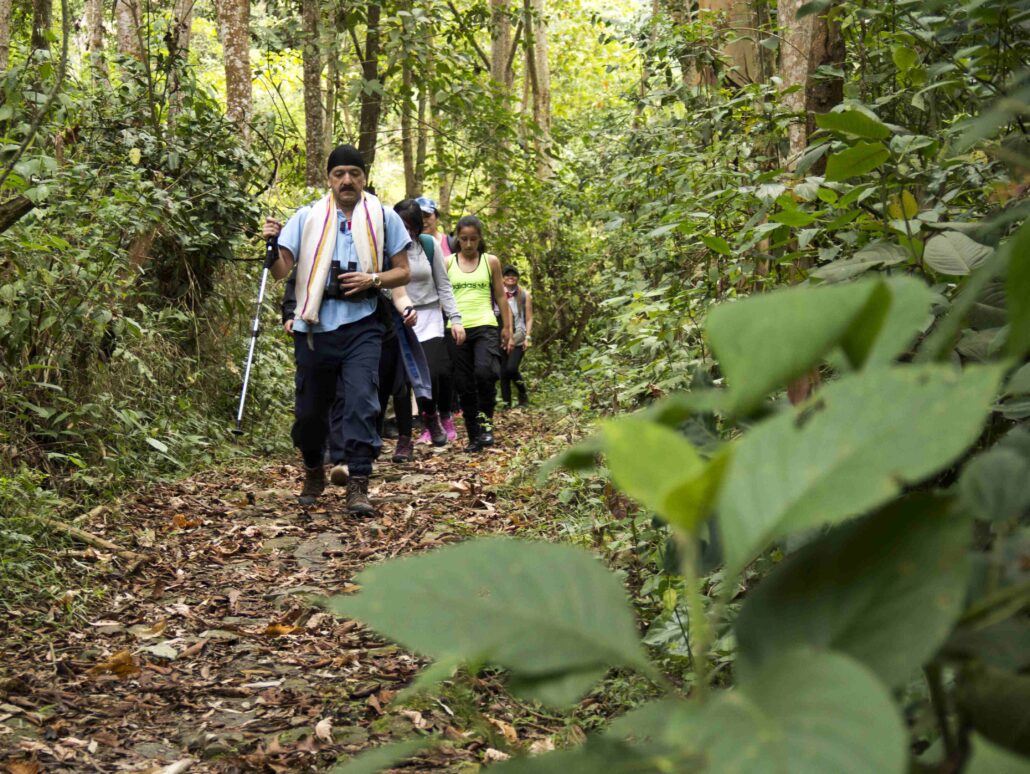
781	267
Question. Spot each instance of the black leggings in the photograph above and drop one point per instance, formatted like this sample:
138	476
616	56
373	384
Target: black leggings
440	372
476	369
510	375
394	381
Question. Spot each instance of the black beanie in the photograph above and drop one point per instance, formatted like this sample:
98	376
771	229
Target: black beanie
345	156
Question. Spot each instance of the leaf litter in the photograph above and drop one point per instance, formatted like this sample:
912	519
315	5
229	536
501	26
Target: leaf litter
212	657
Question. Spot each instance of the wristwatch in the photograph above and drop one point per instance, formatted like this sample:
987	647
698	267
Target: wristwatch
377	281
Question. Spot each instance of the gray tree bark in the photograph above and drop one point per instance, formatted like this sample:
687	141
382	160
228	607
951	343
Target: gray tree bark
5	34
127	24
42	16
314	118
234	20
808	43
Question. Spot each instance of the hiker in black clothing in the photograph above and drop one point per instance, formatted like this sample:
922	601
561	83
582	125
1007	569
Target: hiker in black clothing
521	304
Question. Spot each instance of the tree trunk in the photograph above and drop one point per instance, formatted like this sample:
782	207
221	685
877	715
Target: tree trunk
371	95
5	34
234	20
542	87
314	118
95	45
422	144
332	78
407	135
500	49
178	52
808	43
744	55
443	200
42	15
128	22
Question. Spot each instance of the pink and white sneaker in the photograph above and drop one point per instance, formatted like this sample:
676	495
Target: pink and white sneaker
424	438
448	426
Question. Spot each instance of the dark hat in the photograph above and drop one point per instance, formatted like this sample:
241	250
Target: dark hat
427	205
345	156
510	270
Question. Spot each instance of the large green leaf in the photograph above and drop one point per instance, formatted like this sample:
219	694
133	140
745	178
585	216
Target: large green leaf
1017	287
541	610
859	442
997	704
860	158
807	712
869	257
647	459
988	758
995	486
909	314
954	254
886	590
853	122
766	340
381	758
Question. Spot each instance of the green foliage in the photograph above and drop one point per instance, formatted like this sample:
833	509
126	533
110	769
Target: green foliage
490	601
861	610
121	318
886	590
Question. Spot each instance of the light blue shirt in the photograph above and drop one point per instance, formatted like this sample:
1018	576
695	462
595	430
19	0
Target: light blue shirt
335	312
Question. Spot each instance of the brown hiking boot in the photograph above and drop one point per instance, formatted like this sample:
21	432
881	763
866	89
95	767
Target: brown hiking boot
404	451
339	474
314	484
357	496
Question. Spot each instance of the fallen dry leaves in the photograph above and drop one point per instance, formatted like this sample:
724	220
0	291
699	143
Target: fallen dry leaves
213	658
121	664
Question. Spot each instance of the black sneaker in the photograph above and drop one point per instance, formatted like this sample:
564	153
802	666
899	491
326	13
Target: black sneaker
475	445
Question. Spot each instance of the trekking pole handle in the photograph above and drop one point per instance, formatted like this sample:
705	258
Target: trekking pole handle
271	251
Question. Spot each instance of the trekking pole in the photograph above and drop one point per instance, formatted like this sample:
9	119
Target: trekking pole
271	254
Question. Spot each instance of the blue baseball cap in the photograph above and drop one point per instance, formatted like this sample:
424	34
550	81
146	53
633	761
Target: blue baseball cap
426	204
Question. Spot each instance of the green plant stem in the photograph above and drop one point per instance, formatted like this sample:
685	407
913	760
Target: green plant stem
940	707
697	621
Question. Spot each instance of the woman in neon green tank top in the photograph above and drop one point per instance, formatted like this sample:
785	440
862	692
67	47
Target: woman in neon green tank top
475	277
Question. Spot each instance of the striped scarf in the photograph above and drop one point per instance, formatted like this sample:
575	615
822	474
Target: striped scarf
318	246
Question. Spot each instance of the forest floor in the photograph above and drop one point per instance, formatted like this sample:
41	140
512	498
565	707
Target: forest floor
211	655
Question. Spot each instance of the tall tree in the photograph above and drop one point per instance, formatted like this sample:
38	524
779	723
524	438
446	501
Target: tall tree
422	143
234	21
372	88
407	105
536	38
500	49
128	22
95	31
808	43
42	14
314	119
5	34
178	51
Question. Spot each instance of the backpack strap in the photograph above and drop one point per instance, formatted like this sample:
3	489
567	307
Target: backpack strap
429	246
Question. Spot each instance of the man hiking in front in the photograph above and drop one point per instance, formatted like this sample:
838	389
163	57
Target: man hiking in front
346	246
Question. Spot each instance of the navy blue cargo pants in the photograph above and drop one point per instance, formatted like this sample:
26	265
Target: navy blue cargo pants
343	362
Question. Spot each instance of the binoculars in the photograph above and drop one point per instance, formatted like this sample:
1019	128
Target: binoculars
336	290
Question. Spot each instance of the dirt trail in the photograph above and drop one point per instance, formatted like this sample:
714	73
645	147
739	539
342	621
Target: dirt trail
211	655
